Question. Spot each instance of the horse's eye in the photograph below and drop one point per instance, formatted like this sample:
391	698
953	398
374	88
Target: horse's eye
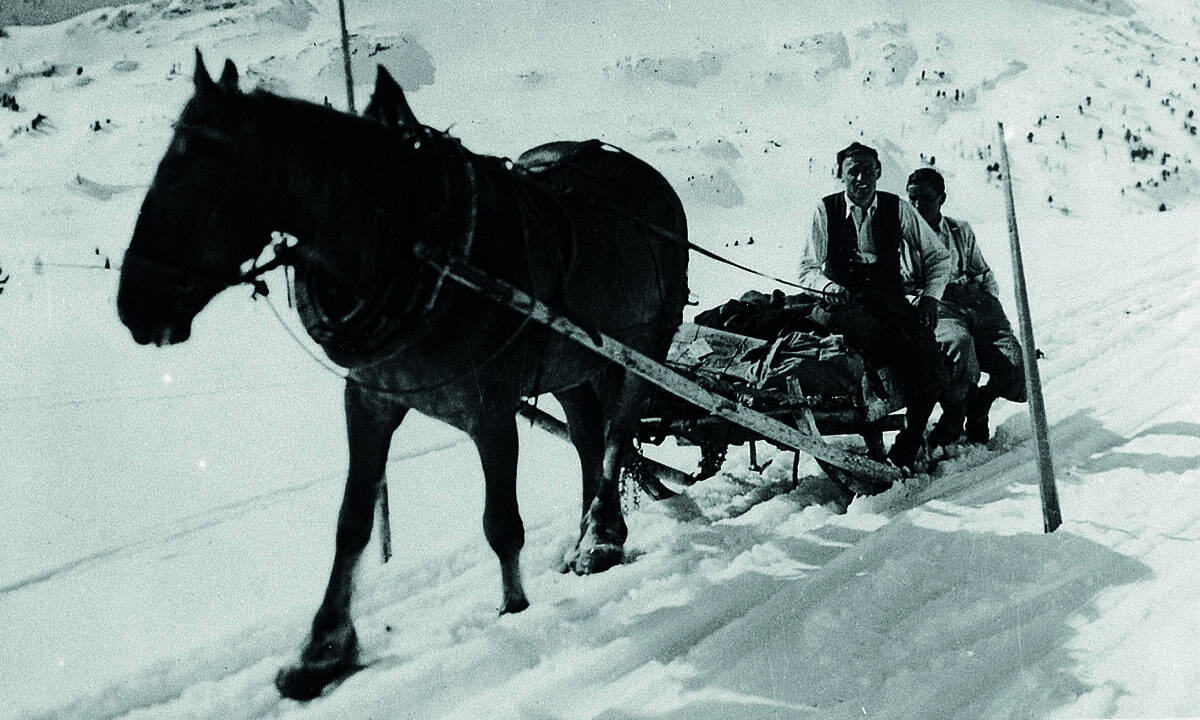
179	144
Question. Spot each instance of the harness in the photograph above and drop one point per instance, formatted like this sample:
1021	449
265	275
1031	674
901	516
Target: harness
391	317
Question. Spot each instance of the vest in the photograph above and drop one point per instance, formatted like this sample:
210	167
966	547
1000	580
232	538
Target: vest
842	265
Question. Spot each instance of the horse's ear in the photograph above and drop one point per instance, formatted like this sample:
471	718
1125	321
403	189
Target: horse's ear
229	77
200	75
388	104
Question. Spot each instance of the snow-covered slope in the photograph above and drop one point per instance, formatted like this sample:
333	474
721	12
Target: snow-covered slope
168	514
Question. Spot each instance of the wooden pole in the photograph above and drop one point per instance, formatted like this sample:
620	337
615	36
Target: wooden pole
385	516
346	56
1051	513
659	374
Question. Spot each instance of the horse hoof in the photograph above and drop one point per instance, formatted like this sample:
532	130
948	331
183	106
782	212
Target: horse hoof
514	606
306	682
597	559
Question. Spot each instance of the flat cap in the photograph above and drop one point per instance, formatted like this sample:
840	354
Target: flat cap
856	148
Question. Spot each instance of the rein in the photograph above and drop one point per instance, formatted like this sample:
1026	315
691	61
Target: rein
371	317
678	239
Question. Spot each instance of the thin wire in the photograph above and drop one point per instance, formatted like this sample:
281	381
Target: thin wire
303	346
401	392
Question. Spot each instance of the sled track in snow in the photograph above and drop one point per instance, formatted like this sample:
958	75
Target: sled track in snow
211	518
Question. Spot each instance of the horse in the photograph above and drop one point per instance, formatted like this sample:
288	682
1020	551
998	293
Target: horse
584	227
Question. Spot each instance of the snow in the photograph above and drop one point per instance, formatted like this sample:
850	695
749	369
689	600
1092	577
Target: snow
168	514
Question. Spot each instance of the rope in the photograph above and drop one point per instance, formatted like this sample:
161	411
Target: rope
781	281
391	392
296	339
679	240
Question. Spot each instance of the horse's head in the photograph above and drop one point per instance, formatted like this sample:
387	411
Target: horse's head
198	223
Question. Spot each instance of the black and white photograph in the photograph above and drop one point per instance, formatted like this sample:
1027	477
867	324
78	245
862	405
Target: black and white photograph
604	360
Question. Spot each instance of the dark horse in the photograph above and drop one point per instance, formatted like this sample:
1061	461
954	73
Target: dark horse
588	229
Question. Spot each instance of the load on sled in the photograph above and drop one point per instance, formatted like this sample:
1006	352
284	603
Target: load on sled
769	355
760	369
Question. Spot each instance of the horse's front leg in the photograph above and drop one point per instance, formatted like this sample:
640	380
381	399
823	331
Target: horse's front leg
495	438
332	650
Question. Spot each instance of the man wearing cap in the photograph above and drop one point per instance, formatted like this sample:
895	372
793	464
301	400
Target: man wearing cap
972	329
869	253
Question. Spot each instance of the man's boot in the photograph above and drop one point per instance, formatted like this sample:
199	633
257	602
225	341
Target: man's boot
906	448
948	429
979	404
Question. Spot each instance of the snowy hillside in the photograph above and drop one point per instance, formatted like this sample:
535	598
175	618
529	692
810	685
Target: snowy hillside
167	515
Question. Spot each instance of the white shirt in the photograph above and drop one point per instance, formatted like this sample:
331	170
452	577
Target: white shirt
924	259
966	261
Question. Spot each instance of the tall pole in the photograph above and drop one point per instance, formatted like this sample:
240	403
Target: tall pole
1051	513
385	515
346	56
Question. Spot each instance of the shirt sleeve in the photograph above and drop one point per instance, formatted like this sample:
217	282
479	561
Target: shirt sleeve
930	261
974	266
815	253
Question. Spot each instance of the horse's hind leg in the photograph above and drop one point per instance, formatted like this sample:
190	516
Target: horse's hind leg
600	422
495	437
332	650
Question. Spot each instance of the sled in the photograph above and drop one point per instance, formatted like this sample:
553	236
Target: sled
818	397
697	400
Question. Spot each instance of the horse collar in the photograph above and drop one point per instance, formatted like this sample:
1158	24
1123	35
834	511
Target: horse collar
391	318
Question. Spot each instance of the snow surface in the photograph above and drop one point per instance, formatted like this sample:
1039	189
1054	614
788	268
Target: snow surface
167	515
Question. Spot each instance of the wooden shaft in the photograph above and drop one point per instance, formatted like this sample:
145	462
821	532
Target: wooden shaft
544	420
1051	512
658	373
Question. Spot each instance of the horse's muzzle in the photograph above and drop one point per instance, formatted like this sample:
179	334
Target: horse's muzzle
151	322
161	336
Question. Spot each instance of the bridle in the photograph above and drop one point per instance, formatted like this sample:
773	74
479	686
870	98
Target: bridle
182	285
181	282
186	286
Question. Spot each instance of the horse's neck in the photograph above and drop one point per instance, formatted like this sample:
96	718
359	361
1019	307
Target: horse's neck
339	199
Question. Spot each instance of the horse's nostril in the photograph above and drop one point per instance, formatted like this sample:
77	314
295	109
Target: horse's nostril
173	334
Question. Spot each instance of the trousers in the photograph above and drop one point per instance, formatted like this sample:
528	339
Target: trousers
886	330
975	336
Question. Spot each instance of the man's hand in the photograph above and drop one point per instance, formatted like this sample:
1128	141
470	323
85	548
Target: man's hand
927	311
832	289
